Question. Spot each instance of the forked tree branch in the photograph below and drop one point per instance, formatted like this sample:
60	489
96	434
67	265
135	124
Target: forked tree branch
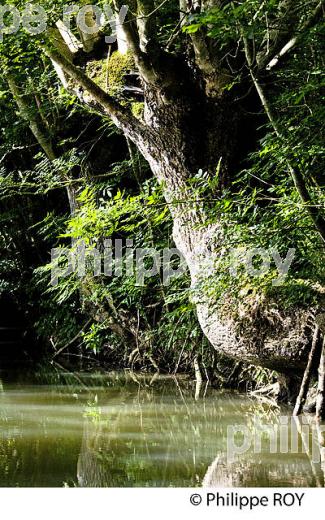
133	41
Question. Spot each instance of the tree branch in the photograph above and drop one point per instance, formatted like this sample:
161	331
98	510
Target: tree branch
206	56
121	116
297	177
147	26
30	113
280	31
292	42
133	41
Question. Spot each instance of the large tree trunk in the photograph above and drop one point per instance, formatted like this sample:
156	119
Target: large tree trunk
191	123
270	337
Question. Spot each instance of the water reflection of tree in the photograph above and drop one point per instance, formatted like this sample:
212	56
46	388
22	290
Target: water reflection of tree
139	445
149	431
249	469
135	444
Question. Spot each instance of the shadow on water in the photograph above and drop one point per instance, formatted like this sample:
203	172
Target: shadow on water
123	429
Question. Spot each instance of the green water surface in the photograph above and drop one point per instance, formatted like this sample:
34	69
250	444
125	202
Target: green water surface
124	430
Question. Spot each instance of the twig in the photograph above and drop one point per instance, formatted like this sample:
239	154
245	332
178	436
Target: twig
294	40
58	352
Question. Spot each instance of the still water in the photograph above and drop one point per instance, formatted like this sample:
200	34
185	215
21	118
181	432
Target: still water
121	429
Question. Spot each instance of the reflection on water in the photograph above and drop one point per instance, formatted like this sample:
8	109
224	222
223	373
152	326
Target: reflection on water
125	430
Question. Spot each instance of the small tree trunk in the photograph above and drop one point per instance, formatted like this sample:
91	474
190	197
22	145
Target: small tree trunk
30	114
91	36
307	375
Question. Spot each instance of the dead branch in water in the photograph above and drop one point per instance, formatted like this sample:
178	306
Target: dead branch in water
307	374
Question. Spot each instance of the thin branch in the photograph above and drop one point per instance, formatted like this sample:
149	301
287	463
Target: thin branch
297	177
58	352
295	39
147	27
176	31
